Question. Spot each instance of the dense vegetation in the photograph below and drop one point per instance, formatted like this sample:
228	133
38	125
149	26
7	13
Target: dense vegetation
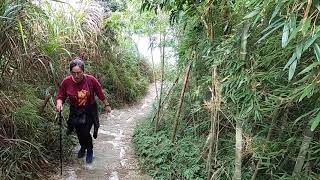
37	41
247	101
241	103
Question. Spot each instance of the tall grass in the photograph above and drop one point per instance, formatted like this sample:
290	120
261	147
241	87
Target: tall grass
29	141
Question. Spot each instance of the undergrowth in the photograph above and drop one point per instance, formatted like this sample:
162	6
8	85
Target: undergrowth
158	158
29	140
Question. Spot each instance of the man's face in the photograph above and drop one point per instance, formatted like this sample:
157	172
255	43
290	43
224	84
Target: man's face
77	74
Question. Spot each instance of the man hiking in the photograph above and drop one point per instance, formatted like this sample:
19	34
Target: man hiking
81	89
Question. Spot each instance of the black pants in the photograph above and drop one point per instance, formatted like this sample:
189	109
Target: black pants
84	136
83	130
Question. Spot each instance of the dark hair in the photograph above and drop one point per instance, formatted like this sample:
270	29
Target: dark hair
76	62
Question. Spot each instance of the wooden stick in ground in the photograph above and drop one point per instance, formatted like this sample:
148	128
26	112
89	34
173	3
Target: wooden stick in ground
185	82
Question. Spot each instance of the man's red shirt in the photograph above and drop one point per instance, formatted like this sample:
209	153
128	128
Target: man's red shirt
82	93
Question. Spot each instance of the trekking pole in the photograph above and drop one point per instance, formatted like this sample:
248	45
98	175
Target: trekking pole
60	124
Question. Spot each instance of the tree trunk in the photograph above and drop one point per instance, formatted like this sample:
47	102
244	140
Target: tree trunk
185	82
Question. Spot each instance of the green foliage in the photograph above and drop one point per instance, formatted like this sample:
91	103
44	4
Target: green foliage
273	92
115	5
30	140
38	39
161	160
128	73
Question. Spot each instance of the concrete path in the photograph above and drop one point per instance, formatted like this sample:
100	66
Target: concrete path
113	152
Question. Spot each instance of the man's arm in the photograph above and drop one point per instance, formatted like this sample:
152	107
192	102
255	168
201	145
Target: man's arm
107	107
101	95
61	96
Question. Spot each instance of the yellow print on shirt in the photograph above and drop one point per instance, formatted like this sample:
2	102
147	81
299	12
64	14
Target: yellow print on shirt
82	97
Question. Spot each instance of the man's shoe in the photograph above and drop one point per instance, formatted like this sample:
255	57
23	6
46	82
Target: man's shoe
89	157
81	152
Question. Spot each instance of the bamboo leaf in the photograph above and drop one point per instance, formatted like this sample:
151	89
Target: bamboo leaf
293	57
274	24
292	69
295	31
317	51
299	51
275	27
310	41
315	122
308	91
253	13
3	17
306	25
276	11
310	67
22	36
285	35
59	1
293	22
305	115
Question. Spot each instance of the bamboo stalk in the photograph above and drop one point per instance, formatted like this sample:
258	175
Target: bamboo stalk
161	86
212	131
167	95
215	107
159	95
307	138
153	68
238	157
273	124
185	82
238	153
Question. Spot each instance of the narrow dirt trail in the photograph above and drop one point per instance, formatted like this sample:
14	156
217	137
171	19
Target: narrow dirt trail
113	151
